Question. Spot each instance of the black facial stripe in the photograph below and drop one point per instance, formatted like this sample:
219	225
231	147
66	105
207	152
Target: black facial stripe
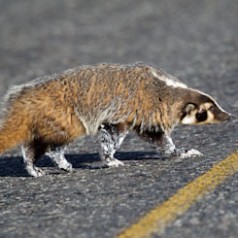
201	116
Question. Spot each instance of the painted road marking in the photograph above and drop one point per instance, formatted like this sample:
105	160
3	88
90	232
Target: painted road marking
164	214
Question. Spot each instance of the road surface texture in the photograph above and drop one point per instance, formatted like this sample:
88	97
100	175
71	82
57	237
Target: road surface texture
196	41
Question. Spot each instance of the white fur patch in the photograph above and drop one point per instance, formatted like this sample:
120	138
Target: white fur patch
189	120
24	154
169	80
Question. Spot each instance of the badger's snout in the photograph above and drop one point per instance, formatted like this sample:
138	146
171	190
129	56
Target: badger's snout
223	116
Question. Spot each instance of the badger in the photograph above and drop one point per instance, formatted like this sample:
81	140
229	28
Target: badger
104	100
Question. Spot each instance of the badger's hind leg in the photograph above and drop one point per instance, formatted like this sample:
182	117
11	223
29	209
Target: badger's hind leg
31	152
57	156
110	138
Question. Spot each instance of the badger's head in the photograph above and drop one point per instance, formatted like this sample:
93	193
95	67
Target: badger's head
200	108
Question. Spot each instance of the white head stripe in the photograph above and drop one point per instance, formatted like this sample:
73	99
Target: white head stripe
169	80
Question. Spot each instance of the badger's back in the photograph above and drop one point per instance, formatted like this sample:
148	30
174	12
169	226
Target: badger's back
111	93
103	93
107	93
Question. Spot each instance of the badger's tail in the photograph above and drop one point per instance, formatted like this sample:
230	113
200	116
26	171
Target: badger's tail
12	133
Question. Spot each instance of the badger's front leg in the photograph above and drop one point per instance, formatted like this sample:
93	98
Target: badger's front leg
166	147
110	138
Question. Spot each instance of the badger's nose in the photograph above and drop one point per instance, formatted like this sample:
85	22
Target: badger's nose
232	117
228	117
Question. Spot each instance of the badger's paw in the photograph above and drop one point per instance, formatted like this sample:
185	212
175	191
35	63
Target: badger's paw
106	164
114	163
180	154
35	171
67	167
189	153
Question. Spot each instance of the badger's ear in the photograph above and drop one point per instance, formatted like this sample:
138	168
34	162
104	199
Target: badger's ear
189	108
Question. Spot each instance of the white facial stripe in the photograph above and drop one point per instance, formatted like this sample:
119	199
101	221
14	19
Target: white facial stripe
191	119
188	120
206	105
210	117
169	81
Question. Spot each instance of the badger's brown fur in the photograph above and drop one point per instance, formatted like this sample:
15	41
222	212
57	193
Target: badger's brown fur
52	111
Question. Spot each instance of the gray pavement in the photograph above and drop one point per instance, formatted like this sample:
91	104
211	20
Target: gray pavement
195	40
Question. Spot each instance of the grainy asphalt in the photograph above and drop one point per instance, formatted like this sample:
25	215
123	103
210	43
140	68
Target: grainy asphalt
194	40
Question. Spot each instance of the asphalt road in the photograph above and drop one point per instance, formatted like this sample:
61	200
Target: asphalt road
196	41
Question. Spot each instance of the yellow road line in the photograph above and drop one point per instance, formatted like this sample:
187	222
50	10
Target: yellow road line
164	214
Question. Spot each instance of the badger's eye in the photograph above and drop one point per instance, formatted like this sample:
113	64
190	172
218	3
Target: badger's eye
201	116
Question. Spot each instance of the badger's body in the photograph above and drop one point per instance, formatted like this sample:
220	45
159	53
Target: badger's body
107	99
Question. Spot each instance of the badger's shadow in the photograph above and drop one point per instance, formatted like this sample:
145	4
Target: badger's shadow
14	167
